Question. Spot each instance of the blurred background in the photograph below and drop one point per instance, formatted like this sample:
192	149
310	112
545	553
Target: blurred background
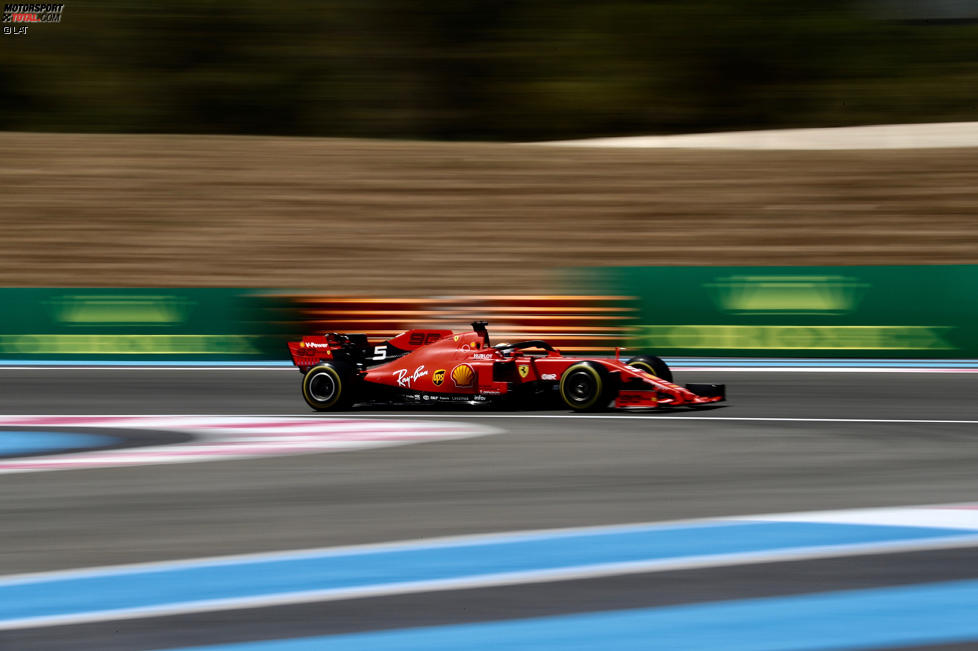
366	149
504	71
371	112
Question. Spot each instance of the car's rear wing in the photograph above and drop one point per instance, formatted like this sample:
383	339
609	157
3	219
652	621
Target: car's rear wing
310	351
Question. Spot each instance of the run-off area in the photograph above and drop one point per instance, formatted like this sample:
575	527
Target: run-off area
789	443
587	587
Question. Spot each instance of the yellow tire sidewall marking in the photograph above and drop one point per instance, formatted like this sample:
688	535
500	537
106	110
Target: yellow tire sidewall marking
599	383
336	378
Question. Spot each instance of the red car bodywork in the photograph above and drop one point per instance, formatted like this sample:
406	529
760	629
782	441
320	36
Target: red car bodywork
432	366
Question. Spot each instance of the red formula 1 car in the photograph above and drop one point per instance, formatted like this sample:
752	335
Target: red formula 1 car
439	366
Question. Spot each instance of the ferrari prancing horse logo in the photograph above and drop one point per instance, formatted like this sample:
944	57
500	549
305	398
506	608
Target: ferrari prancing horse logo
524	370
438	377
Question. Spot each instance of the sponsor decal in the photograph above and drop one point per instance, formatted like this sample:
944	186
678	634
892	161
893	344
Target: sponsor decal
423	338
796	337
548	376
482	356
438	377
312	344
126	344
405	380
524	370
463	376
644	373
119	309
440	397
794	294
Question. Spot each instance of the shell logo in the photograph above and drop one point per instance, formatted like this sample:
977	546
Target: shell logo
438	377
463	375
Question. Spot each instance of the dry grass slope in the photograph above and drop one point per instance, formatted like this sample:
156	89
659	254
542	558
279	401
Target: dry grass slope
431	218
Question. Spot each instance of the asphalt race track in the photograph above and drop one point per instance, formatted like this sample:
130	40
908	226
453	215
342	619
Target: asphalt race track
786	442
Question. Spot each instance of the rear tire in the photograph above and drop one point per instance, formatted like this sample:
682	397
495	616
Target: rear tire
652	364
328	387
585	387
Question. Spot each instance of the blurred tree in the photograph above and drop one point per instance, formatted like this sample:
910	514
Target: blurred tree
478	70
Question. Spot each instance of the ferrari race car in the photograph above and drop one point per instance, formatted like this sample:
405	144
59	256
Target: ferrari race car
439	366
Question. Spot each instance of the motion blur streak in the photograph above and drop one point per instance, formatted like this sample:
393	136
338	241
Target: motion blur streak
933	613
214	438
106	594
572	323
502	71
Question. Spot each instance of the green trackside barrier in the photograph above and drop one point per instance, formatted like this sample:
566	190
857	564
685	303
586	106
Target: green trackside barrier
141	325
864	311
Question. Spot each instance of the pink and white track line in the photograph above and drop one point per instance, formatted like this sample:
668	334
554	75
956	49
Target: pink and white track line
225	437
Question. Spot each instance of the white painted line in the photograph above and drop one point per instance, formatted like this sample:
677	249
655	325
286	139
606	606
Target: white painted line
908	421
423	415
801	368
656	416
148	368
876	136
952	518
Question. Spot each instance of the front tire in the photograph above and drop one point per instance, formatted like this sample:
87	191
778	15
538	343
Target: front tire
652	364
585	387
328	387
